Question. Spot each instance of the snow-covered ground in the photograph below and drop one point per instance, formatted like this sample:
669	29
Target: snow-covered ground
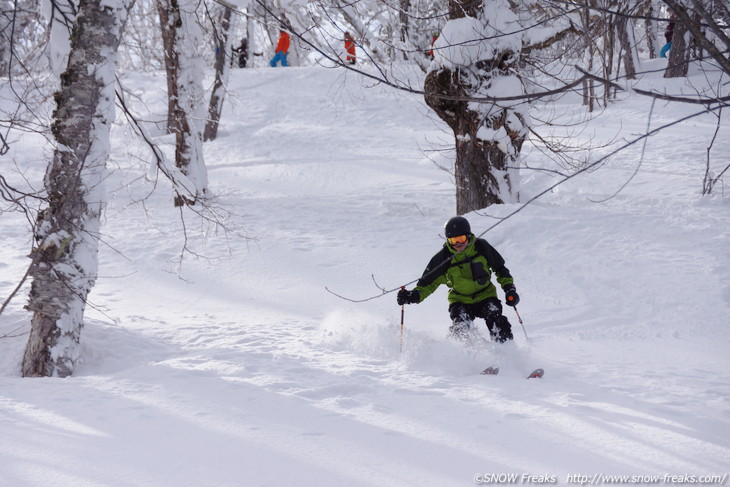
240	368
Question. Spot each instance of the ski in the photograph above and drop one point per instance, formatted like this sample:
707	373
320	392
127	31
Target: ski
494	370
536	374
491	370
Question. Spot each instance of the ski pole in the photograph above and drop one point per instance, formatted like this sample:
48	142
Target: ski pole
521	323
402	314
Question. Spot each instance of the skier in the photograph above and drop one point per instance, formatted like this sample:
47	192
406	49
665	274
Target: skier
465	264
668	35
434	38
242	52
282	50
350	48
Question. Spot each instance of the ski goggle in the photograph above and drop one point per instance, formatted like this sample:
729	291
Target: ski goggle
458	240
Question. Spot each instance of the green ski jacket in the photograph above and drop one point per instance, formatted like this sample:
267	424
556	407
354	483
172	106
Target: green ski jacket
468	274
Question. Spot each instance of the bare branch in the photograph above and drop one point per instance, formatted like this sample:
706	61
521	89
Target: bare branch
707	100
709	182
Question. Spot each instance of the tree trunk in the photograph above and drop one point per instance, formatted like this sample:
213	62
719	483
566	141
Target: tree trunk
486	145
650	25
222	32
678	64
6	42
482	177
609	47
405	7
251	34
588	85
627	48
719	9
167	28
64	266
186	97
488	136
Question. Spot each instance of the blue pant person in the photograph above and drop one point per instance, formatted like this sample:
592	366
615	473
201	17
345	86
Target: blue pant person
664	50
280	56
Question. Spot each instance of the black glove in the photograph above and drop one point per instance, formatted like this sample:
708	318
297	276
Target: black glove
510	295
408	297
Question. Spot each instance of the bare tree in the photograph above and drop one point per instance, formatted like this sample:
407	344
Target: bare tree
140	46
679	55
7	19
64	266
587	28
625	33
167	10
649	9
221	21
405	6
182	38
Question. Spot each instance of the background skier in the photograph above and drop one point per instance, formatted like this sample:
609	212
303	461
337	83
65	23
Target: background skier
350	48
465	264
434	37
668	35
242	52
282	50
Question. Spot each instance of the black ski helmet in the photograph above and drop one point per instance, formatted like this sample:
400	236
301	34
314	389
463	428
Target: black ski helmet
457	226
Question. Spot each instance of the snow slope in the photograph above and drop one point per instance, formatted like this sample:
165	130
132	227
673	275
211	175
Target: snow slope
238	367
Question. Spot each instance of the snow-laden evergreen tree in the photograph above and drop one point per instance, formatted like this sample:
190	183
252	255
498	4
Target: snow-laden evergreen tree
64	265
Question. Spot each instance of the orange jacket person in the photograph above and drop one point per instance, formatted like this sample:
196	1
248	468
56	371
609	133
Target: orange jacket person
282	50
434	36
350	48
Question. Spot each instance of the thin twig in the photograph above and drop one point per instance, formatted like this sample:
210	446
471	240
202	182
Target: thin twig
638	166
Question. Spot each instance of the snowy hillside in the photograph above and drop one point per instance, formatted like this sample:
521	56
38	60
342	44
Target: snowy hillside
239	368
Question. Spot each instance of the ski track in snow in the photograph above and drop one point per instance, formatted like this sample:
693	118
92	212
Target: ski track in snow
239	368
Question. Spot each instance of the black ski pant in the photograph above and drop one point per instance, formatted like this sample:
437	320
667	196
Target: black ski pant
463	315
